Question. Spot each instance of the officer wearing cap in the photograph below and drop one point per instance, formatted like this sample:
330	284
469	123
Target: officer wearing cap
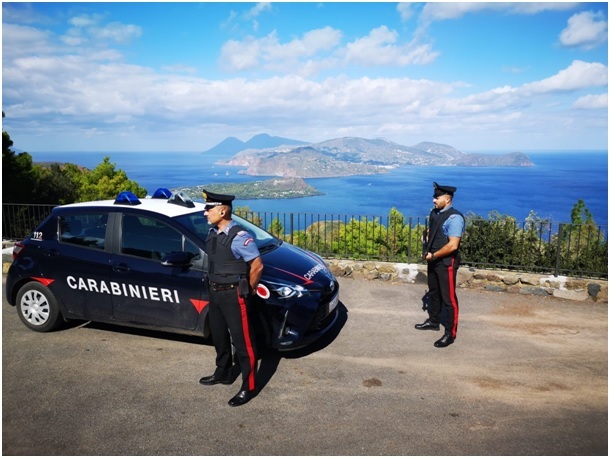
234	272
441	251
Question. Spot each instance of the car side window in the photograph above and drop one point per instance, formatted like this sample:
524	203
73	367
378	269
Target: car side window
84	229
150	238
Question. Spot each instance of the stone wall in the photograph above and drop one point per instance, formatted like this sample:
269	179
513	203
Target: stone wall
576	289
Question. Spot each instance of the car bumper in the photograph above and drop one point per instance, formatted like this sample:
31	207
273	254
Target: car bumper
322	321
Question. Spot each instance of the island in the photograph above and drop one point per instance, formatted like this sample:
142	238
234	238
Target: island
275	188
348	156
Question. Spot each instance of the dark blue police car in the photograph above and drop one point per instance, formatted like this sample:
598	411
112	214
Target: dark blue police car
140	262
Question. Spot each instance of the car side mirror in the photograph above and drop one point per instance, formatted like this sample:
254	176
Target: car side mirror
177	259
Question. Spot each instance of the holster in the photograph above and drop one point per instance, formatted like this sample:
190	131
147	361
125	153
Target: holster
243	287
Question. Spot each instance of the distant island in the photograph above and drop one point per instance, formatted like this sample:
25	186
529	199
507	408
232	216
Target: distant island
280	188
264	155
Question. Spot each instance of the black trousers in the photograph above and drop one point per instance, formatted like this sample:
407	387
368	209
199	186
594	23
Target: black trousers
229	322
443	303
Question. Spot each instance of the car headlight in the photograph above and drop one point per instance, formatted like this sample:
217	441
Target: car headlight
284	291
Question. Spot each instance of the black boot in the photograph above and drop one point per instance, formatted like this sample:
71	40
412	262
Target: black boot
427	325
444	341
242	398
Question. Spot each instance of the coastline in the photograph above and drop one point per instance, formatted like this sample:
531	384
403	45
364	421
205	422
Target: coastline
550	188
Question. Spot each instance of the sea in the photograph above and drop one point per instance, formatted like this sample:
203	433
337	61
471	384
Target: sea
550	188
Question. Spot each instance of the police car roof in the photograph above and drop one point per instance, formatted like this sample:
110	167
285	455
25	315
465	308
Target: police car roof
159	206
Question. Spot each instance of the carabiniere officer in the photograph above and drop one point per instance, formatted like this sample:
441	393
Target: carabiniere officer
443	240
234	272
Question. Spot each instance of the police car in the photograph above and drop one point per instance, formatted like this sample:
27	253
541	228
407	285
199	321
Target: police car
140	262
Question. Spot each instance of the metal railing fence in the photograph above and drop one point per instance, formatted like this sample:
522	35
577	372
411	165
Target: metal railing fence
499	243
19	220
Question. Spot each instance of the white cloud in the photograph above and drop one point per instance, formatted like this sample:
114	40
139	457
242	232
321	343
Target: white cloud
438	11
311	44
22	13
269	53
441	11
79	93
591	102
586	29
25	40
537	7
85	20
406	11
319	49
73	40
235	19
453	10
258	9
377	48
116	32
579	75
530	96
240	55
380	47
90	92
86	27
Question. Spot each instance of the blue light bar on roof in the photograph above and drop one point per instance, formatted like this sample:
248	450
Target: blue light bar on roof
127	198
182	199
162	193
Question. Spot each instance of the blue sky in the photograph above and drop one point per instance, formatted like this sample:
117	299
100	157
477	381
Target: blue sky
184	76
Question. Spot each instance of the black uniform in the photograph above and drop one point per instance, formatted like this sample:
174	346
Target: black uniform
442	274
229	321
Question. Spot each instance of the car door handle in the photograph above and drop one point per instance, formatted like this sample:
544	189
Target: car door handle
120	268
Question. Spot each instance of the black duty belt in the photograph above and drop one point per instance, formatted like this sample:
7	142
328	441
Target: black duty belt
222	286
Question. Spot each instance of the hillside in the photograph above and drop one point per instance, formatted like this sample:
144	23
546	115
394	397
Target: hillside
284	188
231	145
359	156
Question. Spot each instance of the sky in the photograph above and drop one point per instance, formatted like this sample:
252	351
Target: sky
149	76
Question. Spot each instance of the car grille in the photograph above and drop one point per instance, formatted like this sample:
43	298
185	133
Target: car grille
322	318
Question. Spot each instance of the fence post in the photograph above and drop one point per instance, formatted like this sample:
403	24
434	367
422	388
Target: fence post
558	254
409	251
291	228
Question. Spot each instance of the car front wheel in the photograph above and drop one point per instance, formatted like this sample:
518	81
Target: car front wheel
37	307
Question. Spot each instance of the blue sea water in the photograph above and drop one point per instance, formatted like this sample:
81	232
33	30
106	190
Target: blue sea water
550	188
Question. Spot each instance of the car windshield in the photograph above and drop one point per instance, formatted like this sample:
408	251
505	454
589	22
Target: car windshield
198	223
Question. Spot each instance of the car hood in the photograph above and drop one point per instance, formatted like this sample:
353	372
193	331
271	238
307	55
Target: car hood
295	265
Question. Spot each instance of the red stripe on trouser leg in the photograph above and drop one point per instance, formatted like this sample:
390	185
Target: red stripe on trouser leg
453	297
248	342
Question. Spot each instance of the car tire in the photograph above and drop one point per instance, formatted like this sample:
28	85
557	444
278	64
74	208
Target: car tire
38	308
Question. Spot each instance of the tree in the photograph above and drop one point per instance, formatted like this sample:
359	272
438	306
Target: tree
360	238
276	228
321	236
57	184
491	241
249	215
583	245
402	241
104	182
18	178
27	183
581	214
